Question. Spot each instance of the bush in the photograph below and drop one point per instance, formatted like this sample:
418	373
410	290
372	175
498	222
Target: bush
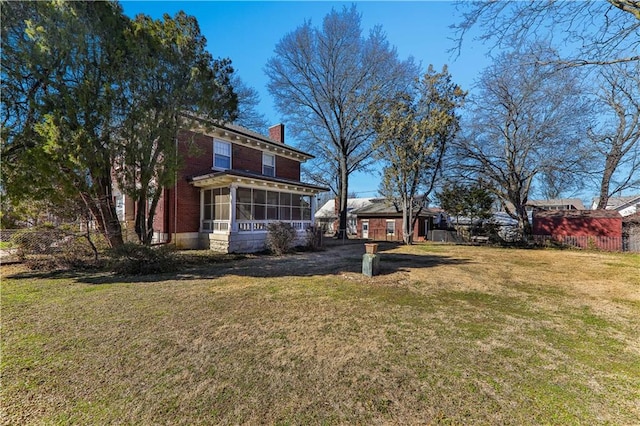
313	239
48	248
138	259
280	237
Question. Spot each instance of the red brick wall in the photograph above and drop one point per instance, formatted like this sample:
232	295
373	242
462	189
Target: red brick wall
196	151
197	156
578	227
378	229
245	158
287	168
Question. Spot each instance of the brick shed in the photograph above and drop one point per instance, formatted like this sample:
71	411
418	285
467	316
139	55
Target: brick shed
382	220
602	228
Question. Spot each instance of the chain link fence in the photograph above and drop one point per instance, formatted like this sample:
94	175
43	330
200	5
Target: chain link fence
49	247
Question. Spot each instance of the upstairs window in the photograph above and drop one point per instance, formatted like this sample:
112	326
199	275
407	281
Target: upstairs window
221	155
268	164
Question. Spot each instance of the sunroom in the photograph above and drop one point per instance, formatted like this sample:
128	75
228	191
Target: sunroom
236	207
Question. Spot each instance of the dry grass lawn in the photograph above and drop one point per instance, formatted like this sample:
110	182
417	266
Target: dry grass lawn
445	335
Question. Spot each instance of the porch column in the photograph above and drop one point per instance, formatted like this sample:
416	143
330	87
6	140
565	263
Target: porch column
232	200
313	208
201	209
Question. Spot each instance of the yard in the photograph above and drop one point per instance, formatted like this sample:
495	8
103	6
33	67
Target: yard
445	335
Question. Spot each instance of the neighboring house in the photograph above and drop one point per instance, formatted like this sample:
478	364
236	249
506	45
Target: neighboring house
583	228
626	206
555	204
327	216
233	184
382	220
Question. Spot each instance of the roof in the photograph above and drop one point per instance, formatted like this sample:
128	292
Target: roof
244	135
328	210
578	214
384	208
228	176
558	202
618	203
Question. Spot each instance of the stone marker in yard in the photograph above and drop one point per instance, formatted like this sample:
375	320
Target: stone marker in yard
370	260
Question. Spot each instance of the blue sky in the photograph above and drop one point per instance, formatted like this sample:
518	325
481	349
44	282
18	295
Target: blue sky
247	33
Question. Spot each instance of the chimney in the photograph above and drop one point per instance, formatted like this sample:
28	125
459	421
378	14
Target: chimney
277	133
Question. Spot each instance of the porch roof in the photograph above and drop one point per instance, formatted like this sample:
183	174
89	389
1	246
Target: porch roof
228	177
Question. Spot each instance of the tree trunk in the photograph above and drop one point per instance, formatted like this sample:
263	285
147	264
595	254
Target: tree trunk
407	213
103	210
343	185
523	221
610	166
143	228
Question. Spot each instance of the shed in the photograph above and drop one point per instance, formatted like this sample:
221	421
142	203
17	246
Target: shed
583	228
382	220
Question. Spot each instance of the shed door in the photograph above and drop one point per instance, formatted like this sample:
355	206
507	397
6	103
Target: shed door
365	229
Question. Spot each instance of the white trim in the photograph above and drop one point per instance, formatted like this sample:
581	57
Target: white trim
255	143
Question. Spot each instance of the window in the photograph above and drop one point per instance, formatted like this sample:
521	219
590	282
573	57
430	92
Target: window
221	155
391	227
268	164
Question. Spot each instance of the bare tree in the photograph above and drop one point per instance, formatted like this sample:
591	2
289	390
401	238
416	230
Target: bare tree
616	138
600	32
323	81
414	130
248	101
526	121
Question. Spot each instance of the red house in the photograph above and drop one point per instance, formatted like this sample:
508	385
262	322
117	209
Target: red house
234	182
583	228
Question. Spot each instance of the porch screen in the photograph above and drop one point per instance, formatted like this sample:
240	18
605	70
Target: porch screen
259	204
216	204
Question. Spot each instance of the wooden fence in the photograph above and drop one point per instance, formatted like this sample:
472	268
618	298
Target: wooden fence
583	242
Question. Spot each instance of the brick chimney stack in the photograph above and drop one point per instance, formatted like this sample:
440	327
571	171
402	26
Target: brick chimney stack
277	133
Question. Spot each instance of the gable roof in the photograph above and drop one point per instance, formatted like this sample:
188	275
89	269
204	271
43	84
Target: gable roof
576	203
382	207
328	210
618	203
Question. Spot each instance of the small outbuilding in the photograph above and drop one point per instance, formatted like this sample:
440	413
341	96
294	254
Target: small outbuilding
382	220
600	229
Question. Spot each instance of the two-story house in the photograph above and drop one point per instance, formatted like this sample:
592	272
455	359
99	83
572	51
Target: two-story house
234	182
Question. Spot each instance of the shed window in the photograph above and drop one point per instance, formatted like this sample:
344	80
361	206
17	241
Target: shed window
391	227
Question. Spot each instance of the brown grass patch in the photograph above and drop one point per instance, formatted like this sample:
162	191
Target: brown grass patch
445	334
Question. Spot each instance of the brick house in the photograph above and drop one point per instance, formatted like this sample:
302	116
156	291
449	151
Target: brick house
582	228
234	182
382	220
